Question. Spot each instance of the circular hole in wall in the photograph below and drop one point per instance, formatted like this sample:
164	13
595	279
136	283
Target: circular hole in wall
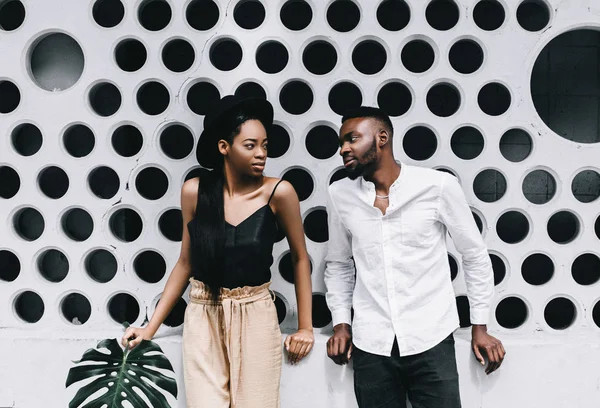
178	55
176	141
343	97
175	317
101	265
26	139
11	266
499	268
560	313
343	15
29	306
338	175
442	14
53	181
251	89
511	312
512	227
279	141
419	143
105	99
296	97
533	15
489	15
286	267
202	97
494	99
515	145
296	15
29	223
464	313
586	269
77	224
123	307
202	15
467	142
153	98
76	308
280	307
322	142
56	62
272	57
79	140
154	15
10	96
130	55
127	140
12	15
249	14
465	56
126	224
453	267
393	15
586	186
11	182
539	187
369	57
596	314
563	227
537	269
302	182
321	316
170	225
443	100
319	57
108	13
151	183
226	54
417	56
104	182
394	98
53	265
315	226
150	266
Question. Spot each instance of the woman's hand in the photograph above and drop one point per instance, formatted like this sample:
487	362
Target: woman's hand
299	344
135	335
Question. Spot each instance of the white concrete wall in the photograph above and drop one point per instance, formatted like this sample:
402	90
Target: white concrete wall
545	366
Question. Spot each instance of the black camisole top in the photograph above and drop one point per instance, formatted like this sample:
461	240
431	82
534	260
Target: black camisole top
248	248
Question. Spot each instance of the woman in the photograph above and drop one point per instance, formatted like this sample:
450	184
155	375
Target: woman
231	338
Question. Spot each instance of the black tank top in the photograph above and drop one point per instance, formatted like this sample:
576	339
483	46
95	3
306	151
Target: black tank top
248	248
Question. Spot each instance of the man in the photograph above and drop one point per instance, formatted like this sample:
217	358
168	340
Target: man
388	222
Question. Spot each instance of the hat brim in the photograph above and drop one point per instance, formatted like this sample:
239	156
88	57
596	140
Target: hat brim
207	152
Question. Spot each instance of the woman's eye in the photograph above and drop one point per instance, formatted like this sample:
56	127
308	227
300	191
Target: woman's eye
250	146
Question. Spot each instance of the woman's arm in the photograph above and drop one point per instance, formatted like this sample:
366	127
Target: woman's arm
179	277
287	210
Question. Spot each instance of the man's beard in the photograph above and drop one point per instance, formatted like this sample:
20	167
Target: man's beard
364	163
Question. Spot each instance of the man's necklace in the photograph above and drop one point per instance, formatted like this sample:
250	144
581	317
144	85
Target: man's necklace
382	197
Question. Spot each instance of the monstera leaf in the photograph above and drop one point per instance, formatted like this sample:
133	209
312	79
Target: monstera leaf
120	372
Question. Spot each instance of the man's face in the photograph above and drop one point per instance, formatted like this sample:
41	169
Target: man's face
358	145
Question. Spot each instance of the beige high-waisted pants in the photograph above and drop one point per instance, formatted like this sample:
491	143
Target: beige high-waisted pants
232	349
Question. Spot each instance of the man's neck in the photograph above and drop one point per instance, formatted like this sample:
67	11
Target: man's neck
385	174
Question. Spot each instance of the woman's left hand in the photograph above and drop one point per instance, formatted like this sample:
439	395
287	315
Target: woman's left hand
299	344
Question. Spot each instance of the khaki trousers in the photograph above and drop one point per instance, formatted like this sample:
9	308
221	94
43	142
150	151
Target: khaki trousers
232	349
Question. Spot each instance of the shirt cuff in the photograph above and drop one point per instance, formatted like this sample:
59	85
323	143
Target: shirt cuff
341	316
480	315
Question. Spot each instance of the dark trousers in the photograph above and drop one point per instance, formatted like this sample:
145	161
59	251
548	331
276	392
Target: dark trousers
429	379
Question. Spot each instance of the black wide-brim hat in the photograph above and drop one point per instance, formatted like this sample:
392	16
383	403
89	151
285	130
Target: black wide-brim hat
207	151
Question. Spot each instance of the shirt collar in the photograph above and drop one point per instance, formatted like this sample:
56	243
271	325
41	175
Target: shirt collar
369	186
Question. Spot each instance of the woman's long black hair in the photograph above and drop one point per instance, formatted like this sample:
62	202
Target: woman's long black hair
208	250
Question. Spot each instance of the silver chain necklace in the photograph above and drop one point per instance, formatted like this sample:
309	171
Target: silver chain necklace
382	197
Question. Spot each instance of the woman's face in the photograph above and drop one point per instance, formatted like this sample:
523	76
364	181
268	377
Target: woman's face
248	152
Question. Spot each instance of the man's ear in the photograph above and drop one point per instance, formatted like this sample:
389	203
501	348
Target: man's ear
383	138
223	147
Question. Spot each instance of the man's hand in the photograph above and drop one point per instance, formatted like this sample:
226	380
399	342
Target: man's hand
339	346
493	349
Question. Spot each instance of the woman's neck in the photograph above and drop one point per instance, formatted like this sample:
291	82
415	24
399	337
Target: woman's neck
237	184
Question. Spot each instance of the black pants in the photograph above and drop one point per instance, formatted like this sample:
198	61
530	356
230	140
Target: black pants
430	379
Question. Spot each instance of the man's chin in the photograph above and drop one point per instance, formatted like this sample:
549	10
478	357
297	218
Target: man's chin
355	173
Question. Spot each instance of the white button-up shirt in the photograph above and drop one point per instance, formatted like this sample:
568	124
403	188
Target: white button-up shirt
402	287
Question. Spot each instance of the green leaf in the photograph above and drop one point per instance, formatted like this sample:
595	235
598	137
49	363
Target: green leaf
118	372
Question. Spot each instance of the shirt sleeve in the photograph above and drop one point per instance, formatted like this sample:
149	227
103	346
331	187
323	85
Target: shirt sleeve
455	214
339	266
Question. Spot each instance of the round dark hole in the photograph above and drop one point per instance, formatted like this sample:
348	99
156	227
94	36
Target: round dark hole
153	98
586	269
597	227
79	140
442	14
447	170
533	15
465	56
123	307
419	143
202	97
489	15
464	312
537	269
126	225
175	317
321	316
105	99
296	15
108	13
563	227
586	186
511	312
286	268
302	182
394	98
499	268
12	15
10	96
27	139
202	15
489	185
515	145
251	90
130	55
343	15
53	265
494	99
443	100
512	227
343	97
478	220
152	183
127	140
315	226
279	141
76	308
29	306
338	175
150	266
596	314
178	55
272	57
393	15
539	187
249	14
11	182
170	225
29	224
77	224
560	313
53	182
322	142
417	56
453	267
467	142
176	141
101	265
319	57
562	90
296	97
369	57
225	54
11	266
154	15
281	309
